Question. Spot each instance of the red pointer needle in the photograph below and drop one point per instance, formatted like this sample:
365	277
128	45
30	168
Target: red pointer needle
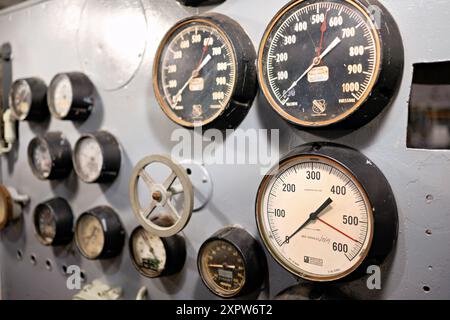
343	233
323	29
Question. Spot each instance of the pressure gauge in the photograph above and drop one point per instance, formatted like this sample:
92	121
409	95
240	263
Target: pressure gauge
204	73
71	96
325	211
53	222
11	205
28	99
231	263
99	233
97	157
50	156
154	256
327	62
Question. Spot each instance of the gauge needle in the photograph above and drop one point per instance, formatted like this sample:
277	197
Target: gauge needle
334	228
313	216
194	75
316	62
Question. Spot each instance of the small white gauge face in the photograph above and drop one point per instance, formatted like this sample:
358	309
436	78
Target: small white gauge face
148	253
61	96
46	225
42	159
222	268
88	159
90	236
315	218
21	97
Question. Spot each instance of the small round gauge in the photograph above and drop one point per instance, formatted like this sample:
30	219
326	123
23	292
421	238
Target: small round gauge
154	256
97	157
231	263
70	96
53	222
315	212
329	62
11	205
50	156
204	73
99	233
28	99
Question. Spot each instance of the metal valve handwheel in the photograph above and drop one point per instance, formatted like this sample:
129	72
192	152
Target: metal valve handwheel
161	194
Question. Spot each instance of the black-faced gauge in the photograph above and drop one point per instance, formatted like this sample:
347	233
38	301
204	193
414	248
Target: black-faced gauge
154	256
231	263
329	62
97	157
11	205
53	222
204	73
99	233
326	212
71	96
28	99
50	156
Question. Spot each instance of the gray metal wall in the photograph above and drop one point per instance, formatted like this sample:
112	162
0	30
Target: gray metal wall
48	37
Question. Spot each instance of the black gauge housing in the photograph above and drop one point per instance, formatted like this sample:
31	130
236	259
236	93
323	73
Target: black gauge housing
251	252
38	110
111	156
60	154
198	3
63	218
112	228
175	248
82	103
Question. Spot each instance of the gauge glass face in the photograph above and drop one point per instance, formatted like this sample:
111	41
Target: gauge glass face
336	239
148	252
222	268
61	95
319	62
88	159
90	236
196	73
41	159
46	224
21	97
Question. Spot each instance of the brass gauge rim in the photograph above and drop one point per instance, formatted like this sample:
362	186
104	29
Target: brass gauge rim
204	271
268	95
7	206
156	71
273	174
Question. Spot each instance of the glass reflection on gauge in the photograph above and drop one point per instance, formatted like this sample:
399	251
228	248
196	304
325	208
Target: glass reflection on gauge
42	159
88	159
90	236
61	99
21	98
46	224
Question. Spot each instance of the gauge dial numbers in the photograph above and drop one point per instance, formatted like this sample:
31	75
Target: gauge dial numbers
323	63
99	233
28	99
231	263
50	156
154	256
97	157
53	222
198	78
71	96
317	219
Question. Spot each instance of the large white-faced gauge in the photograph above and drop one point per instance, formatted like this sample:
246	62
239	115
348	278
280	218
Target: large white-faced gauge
326	212
71	96
97	157
99	233
154	256
231	263
53	222
330	62
28	99
204	73
50	156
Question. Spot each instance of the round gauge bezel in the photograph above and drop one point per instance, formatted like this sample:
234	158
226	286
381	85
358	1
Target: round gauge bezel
7	203
203	271
38	110
37	233
284	165
77	241
356	5
157	78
